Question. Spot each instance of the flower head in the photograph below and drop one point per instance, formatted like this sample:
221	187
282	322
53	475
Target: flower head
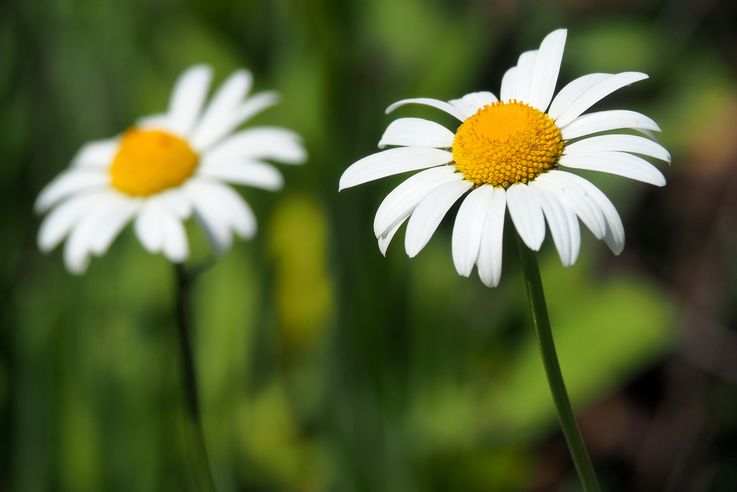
166	168
514	153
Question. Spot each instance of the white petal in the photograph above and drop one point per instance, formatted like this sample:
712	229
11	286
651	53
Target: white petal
403	199
187	98
387	238
471	103
527	215
176	202
603	121
619	143
217	117
576	200
149	226
490	251
572	91
160	121
208	211
115	220
525	66
619	163
250	173
509	85
547	66
417	132
96	155
82	237
221	209
63	218
68	183
427	216
469	225
391	162
435	103
615	229
175	248
252	106
596	93
76	249
562	223
241	216
272	143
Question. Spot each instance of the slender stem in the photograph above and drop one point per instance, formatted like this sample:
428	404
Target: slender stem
198	449
541	322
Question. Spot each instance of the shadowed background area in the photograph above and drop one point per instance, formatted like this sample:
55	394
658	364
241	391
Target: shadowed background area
322	365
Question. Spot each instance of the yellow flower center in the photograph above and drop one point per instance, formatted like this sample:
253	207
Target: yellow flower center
150	161
506	143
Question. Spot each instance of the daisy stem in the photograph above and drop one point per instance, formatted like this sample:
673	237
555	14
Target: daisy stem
541	322
196	435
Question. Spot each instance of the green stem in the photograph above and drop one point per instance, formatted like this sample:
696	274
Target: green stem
541	322
198	449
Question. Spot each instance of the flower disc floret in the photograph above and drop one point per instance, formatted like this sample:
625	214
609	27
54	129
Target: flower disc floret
506	143
151	161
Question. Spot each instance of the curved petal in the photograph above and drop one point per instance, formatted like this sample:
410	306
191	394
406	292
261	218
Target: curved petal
468	227
388	236
525	66
562	223
427	216
509	85
527	215
603	121
615	229
417	132
249	173
490	250
576	200
79	245
252	106
471	103
176	248
272	143
208	211
596	93
391	162
619	163
114	222
619	143
435	103
56	226
187	98
176	202
218	114
220	209
547	66
149	226
572	91
96	155
69	183
402	200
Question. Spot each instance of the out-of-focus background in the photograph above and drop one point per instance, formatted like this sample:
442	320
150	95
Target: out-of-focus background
324	366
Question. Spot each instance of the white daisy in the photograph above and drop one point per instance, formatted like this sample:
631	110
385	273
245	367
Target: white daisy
515	154
166	168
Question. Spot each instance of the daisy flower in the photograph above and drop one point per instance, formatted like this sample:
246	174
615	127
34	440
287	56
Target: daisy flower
166	168
515	153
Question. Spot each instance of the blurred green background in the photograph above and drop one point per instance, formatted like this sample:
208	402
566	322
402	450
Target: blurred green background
324	366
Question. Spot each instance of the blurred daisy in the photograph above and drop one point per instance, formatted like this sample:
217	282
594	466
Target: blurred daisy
513	153
166	168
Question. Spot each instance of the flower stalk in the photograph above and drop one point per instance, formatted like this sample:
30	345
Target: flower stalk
541	322
197	448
